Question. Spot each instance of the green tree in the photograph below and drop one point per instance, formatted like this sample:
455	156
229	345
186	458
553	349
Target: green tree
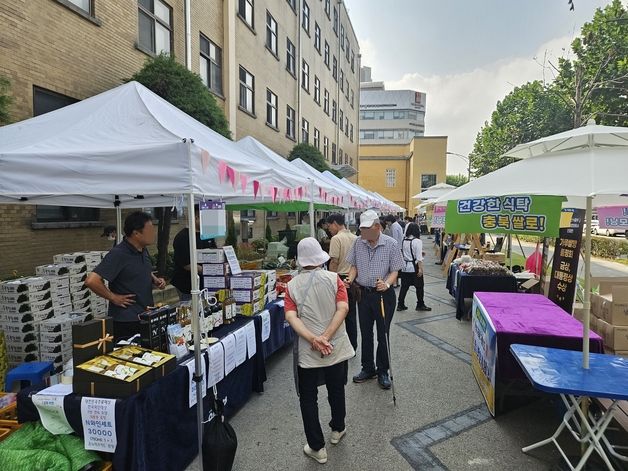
456	180
529	112
5	100
595	83
185	90
312	156
269	233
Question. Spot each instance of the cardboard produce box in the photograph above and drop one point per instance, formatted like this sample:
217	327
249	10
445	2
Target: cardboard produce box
9	327
216	269
76	279
615	337
105	376
250	309
613	307
215	282
211	256
57	282
497	257
20	337
24	285
160	363
62	337
250	280
247	296
79	295
55	325
91	339
26	297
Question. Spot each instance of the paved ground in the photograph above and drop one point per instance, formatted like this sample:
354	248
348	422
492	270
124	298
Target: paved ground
440	422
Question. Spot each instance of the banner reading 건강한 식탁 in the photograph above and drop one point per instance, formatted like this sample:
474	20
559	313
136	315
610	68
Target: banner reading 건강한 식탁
521	214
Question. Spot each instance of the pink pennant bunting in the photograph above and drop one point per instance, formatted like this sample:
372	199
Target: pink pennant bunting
205	160
274	191
243	182
231	175
300	192
222	171
256	188
320	192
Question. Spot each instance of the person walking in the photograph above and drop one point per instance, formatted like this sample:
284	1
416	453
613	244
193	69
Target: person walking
375	262
316	307
341	242
412	272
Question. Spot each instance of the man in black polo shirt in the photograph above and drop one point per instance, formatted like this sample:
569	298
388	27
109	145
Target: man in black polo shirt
128	270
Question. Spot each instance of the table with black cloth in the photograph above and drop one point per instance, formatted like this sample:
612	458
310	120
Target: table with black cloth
280	331
156	428
463	285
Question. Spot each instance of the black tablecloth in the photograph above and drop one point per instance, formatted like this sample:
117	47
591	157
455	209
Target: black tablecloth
462	285
156	428
280	332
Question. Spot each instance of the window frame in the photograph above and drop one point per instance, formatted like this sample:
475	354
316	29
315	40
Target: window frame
291	58
305	17
326	56
317	139
210	63
335	21
326	147
305	131
155	19
334	111
317	37
317	90
270	34
247	87
273	109
290	122
390	177
305	75
328	9
326	102
243	17
334	71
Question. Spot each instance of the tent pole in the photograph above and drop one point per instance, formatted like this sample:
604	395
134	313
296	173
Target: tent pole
311	210
118	224
196	329
587	284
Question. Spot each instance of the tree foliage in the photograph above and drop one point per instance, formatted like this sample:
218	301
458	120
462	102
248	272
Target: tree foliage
5	100
185	90
527	113
312	156
456	180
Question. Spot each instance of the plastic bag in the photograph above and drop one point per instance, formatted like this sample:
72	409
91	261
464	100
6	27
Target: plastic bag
219	440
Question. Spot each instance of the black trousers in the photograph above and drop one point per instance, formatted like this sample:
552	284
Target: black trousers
410	279
335	380
125	330
369	312
351	321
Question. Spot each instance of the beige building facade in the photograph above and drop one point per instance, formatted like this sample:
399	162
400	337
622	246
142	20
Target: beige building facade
275	67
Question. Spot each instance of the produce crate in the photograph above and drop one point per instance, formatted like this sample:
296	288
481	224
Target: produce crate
8	416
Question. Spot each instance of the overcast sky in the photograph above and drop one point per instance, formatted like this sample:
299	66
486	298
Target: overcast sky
465	54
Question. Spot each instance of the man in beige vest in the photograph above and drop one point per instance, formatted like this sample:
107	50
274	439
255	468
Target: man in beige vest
316	307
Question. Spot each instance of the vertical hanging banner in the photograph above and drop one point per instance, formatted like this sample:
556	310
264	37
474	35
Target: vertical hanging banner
562	286
213	219
521	214
438	217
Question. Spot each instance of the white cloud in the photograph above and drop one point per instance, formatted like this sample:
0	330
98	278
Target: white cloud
458	105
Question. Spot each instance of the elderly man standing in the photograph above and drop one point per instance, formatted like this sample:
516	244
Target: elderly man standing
375	263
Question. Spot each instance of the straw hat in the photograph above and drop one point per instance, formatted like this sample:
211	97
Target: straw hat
310	253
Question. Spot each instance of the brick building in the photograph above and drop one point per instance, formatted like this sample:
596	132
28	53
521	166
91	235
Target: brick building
284	71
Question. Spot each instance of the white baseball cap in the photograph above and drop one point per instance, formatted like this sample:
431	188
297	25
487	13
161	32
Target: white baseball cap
368	218
310	253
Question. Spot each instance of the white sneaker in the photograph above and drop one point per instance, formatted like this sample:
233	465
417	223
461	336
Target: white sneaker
337	436
320	455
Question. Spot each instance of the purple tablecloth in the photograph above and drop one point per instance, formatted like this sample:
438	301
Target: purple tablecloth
531	319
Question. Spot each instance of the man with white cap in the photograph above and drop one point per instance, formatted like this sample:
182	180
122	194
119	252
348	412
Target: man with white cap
375	263
316	307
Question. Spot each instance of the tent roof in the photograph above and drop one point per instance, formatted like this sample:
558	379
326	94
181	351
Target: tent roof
127	141
434	191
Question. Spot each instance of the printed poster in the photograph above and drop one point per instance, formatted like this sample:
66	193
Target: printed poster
99	424
484	353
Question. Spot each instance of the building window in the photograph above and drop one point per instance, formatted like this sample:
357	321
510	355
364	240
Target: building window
317	90
340	156
326	148
391	177
352	61
327	7
155	26
352	98
348	49
334	111
333	154
317	37
247	91
317	139
45	101
271	109
211	65
247	214
336	21
271	33
346	126
85	5
305	131
427	180
245	11
342	37
305	17
327	54
334	71
305	75
326	102
342	81
347	89
351	133
342	121
290	122
290	58
293	4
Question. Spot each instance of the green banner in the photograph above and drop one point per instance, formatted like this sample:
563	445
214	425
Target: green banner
522	214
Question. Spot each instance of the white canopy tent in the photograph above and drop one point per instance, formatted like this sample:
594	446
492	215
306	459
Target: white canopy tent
588	165
128	147
434	191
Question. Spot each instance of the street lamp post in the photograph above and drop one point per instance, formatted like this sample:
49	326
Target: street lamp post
466	159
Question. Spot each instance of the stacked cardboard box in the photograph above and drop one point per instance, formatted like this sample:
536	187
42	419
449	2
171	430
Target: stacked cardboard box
609	307
55	339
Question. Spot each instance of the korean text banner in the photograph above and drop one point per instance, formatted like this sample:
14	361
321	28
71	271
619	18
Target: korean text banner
613	217
522	214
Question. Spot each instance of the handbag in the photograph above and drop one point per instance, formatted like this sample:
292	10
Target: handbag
219	439
414	262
